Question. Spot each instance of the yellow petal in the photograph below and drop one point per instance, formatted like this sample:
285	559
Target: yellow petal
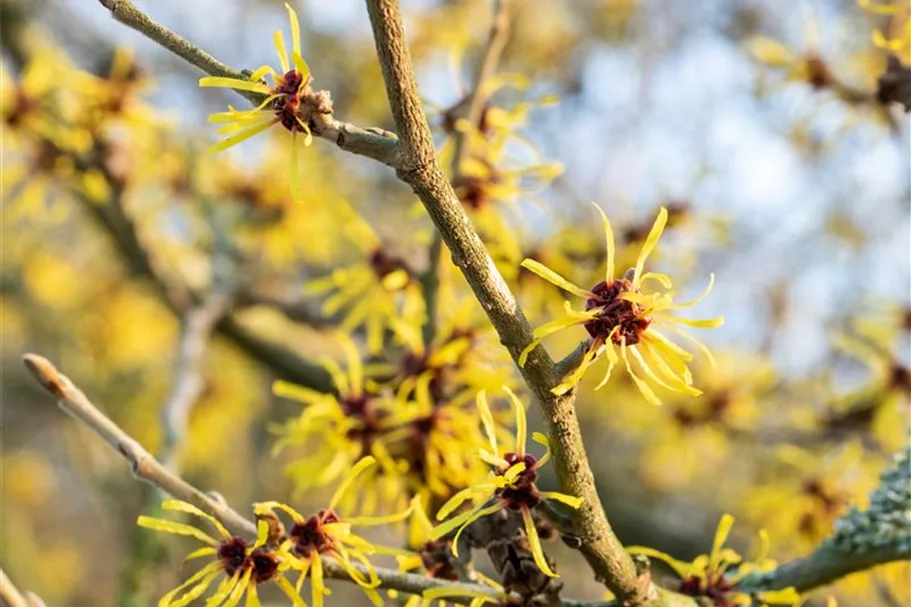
158	524
609	241
279	39
487	421
534	543
721	536
242	136
569	500
521	425
181	506
476	516
573	378
554	278
364	463
295	30
649	245
680	568
234	83
541	440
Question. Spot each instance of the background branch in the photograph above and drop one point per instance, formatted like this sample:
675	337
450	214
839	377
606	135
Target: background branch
827	564
121	228
195	328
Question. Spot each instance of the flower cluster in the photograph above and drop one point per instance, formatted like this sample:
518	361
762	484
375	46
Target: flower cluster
244	566
241	565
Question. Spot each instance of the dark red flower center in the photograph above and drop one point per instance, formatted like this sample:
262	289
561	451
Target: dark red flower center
286	106
233	555
234	559
310	536
361	408
614	312
717	589
522	492
384	264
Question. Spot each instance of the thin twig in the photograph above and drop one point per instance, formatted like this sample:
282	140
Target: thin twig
146	468
9	593
477	99
474	102
572	360
374	143
296	310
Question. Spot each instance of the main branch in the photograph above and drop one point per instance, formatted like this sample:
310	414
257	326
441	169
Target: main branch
421	170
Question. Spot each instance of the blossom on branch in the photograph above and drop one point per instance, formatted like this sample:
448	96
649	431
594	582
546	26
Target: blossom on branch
283	101
327	534
620	315
241	565
511	485
715	576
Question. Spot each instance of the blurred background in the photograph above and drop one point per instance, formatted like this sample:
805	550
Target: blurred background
756	123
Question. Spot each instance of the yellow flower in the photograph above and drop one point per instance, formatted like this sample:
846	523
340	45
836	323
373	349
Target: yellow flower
327	535
376	293
511	484
342	428
715	575
283	103
434	443
803	498
620	315
463	358
243	566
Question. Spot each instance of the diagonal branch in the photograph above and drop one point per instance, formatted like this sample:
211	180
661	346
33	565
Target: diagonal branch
125	234
146	468
421	170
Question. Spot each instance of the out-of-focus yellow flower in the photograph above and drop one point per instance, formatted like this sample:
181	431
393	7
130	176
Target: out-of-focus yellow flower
434	445
282	105
243	566
801	500
620	315
896	39
710	575
511	484
326	534
463	358
379	293
339	429
881	403
42	103
692	438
